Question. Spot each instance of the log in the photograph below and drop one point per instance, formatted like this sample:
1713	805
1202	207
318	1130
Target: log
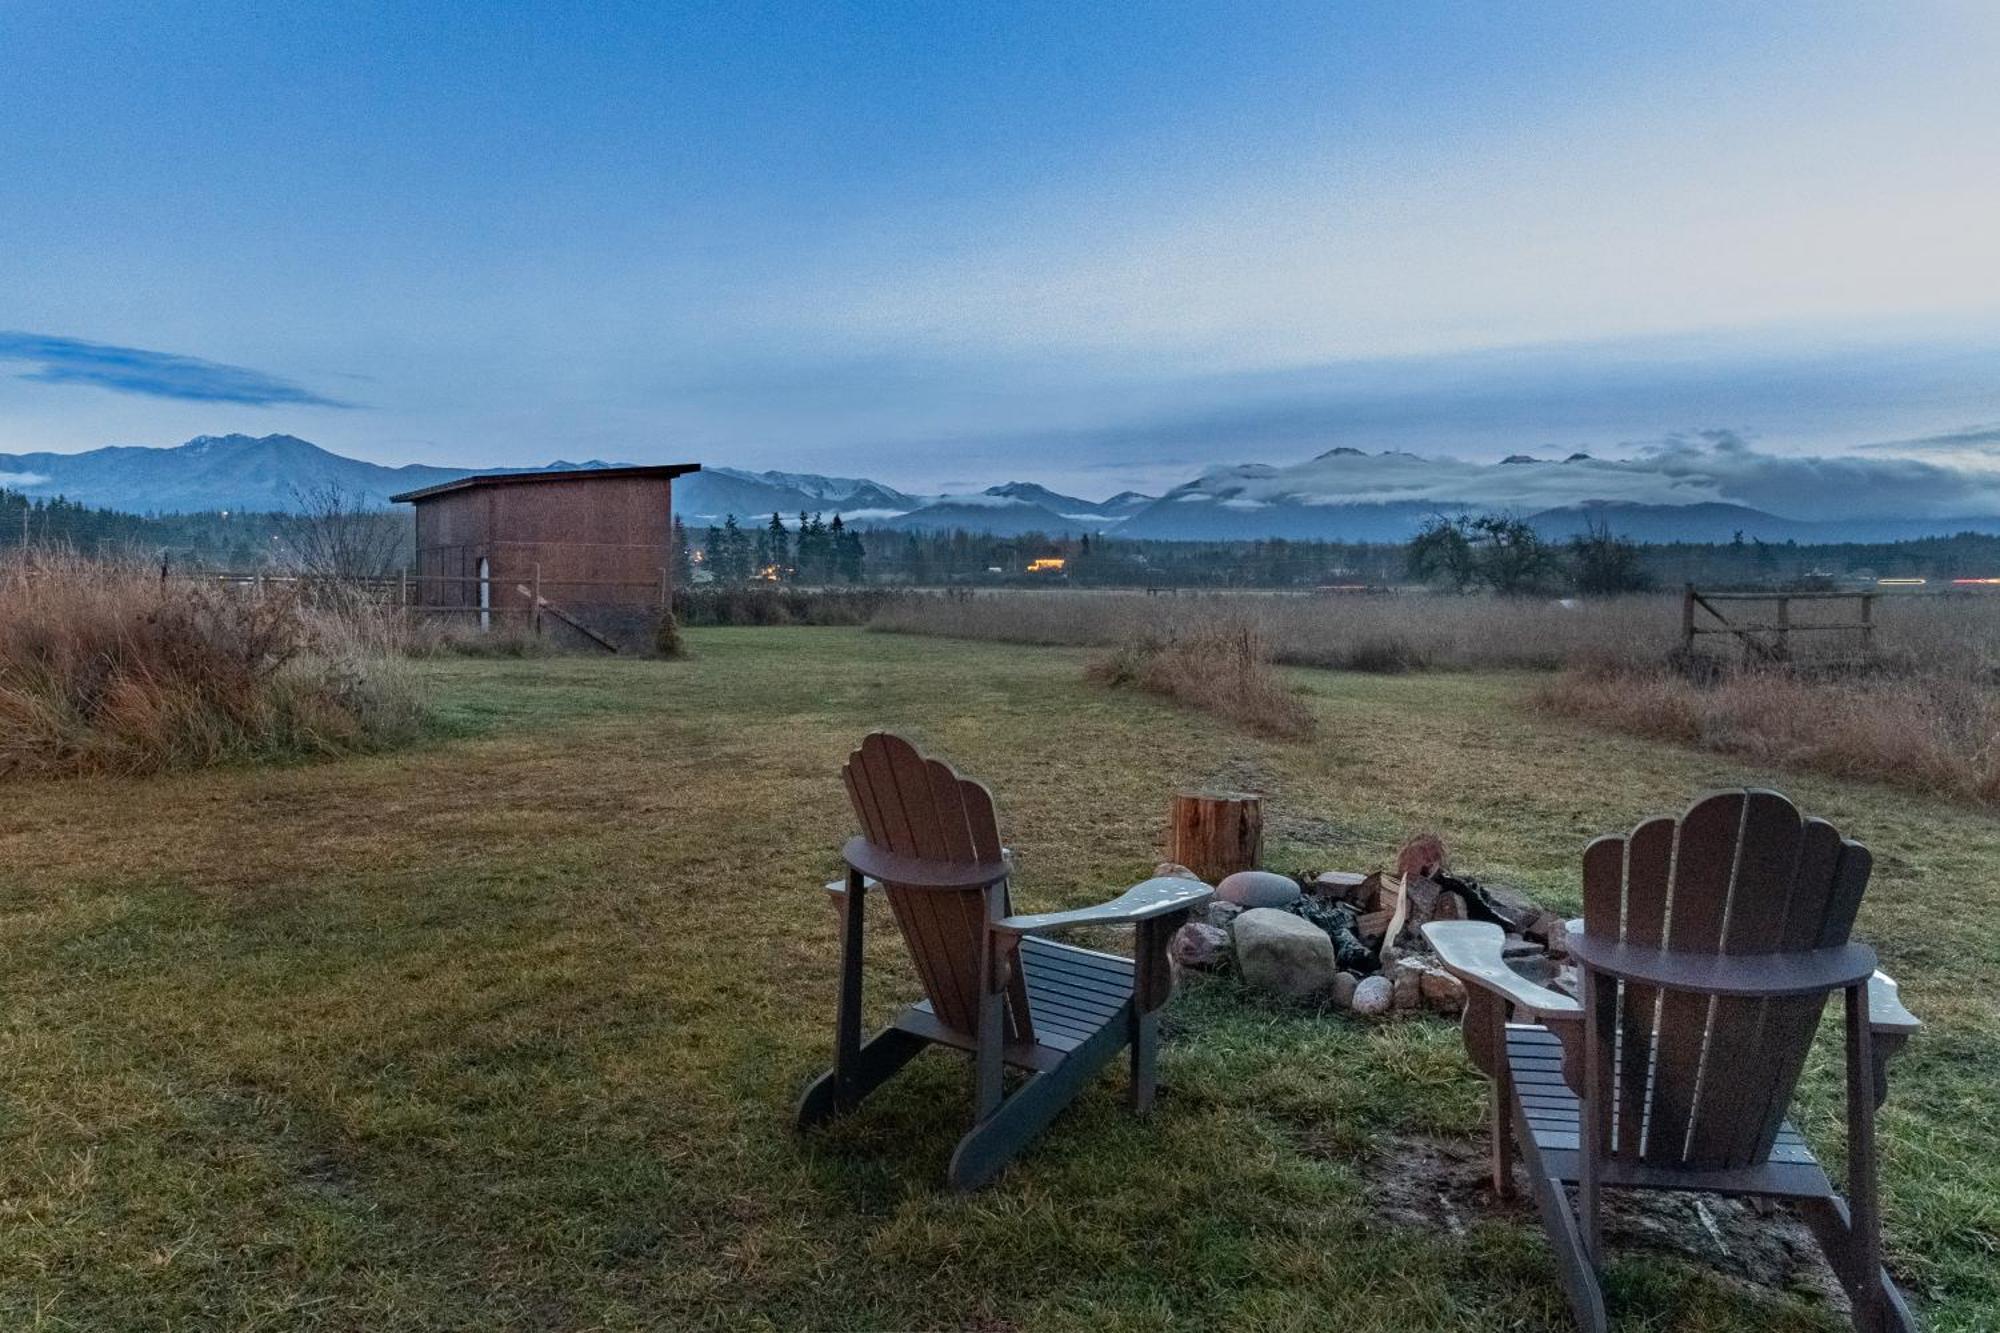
1216	834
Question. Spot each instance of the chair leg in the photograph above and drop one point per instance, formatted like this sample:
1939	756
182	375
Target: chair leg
1879	1305
1501	1114
1145	1042
869	1068
1573	1262
996	1139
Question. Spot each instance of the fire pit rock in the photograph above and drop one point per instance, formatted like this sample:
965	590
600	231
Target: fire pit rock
1200	945
1355	942
1373	995
1258	888
1283	954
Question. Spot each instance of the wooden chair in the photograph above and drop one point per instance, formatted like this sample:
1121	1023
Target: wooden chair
992	985
1707	950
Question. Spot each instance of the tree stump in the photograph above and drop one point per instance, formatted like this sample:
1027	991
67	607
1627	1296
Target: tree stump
1216	834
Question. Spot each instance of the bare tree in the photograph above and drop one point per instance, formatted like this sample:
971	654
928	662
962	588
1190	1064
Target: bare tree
335	535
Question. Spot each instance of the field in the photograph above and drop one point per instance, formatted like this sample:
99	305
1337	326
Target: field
503	1031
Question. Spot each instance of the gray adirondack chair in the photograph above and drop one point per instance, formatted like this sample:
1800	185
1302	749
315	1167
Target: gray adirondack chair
993	985
1706	953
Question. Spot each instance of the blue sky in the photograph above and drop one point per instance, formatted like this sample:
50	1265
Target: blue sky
947	244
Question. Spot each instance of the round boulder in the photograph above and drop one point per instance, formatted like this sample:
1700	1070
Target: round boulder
1258	888
1344	985
1373	996
1282	954
1199	945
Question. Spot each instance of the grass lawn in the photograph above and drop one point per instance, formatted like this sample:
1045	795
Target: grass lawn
504	1032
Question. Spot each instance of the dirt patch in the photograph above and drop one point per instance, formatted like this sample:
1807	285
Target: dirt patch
1418	1181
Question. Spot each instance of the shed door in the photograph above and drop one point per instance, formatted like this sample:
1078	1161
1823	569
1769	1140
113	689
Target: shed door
485	595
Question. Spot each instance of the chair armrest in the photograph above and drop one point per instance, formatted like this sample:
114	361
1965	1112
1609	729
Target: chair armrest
1886	1015
1142	902
919	873
1471	951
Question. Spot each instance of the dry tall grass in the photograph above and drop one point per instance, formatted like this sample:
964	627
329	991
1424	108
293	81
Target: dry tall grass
1419	631
1929	730
105	667
1351	633
1924	714
1221	668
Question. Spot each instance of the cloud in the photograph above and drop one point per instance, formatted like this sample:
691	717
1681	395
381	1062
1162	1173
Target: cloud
1971	447
153	374
22	480
1718	466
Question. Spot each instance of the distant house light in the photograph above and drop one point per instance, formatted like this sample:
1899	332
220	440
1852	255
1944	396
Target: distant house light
1901	583
1048	564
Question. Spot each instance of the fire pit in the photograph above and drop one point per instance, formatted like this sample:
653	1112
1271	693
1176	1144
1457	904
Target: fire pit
1355	940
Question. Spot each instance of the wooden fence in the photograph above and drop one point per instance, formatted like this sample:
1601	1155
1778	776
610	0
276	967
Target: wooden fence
525	601
1770	639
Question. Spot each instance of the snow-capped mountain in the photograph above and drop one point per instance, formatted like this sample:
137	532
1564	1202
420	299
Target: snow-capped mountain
1707	488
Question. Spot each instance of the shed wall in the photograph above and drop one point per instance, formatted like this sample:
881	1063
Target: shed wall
603	544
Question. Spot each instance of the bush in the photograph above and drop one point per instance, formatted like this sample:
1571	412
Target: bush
667	640
109	668
1223	668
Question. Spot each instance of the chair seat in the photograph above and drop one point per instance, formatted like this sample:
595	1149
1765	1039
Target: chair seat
1553	1115
1073	994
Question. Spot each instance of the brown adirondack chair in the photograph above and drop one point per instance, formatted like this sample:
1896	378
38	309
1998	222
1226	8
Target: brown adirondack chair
1706	953
992	985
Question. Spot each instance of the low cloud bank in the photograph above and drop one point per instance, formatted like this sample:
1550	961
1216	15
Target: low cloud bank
1704	467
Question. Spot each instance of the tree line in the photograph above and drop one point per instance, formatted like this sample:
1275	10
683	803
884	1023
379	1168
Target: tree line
819	551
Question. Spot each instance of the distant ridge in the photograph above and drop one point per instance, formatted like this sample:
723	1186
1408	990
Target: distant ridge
1342	494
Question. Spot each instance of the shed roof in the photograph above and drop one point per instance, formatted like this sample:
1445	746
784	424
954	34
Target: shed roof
664	470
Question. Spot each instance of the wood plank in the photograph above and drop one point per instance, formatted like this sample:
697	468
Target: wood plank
1084	962
1791	1024
1738	1078
1045	1052
1648	865
1704	863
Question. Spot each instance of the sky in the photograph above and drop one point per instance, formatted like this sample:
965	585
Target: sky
945	245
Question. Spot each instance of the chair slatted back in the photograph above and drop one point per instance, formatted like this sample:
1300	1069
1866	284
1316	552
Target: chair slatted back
918	807
1691	1080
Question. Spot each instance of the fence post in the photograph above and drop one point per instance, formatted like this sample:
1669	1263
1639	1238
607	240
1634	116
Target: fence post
403	588
1784	629
535	611
1867	624
1687	621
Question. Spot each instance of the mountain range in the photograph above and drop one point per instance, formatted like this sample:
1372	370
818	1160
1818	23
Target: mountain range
1702	490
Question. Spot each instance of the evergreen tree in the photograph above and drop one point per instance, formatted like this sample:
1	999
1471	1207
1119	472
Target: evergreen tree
780	544
683	556
848	552
814	563
715	553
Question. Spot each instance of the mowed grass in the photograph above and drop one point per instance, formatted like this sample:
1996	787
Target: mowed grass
504	1032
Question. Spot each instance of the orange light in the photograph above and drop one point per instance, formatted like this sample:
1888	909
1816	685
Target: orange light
1977	583
1048	564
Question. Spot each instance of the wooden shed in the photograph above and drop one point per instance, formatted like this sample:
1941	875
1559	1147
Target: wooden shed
584	553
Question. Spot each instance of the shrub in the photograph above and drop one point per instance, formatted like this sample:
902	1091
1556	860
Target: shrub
110	668
667	640
1222	668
